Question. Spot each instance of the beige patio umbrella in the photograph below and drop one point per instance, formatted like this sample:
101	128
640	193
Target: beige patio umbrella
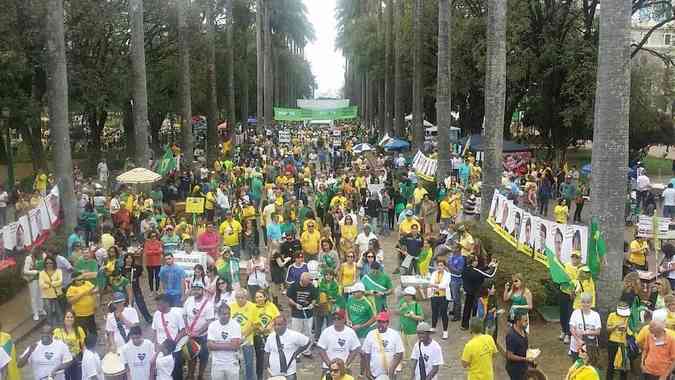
138	176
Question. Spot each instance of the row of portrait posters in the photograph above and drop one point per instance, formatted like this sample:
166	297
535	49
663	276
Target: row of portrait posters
32	229
536	232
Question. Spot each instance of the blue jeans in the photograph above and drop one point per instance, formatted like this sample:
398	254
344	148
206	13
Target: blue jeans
175	300
456	292
384	217
249	364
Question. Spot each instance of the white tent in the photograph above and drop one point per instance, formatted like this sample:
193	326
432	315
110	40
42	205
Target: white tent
426	123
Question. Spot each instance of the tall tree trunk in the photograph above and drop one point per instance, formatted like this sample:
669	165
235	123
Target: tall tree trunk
380	80
128	125
418	95
139	88
610	142
185	84
495	98
388	82
443	101
212	116
57	90
231	113
399	112
243	78
269	82
260	67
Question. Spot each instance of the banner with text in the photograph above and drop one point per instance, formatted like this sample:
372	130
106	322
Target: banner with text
298	114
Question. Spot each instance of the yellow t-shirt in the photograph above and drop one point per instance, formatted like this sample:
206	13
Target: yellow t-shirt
210	202
86	305
572	272
349	232
638	252
582	373
406	225
245	315
615	320
41	182
248	212
347	275
560	212
230	232
311	242
670	321
74	340
419	193
585	286
446	209
478	353
466	244
264	315
338	200
360	182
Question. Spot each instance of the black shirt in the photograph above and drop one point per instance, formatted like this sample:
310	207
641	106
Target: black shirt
302	295
516	344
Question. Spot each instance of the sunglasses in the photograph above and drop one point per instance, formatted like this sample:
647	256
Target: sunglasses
370	256
350	256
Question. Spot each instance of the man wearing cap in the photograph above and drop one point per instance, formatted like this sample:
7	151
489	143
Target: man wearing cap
230	230
405	226
119	321
302	298
478	352
172	278
382	349
198	313
310	241
427	355
361	311
338	341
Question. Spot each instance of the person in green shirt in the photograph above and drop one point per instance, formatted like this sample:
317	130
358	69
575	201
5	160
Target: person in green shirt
360	311
321	203
256	188
378	285
120	284
330	299
411	314
86	267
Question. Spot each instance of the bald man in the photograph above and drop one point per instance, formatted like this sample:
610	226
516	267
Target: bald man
658	354
302	297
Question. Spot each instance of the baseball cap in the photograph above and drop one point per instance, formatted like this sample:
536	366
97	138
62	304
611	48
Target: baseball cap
409	291
424	327
575	253
383	316
408	212
340	314
358	287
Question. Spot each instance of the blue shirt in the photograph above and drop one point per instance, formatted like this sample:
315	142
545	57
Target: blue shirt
72	239
172	277
274	231
456	266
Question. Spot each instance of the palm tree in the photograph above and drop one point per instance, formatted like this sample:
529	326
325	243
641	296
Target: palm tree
139	88
185	97
231	114
443	101
212	114
388	82
610	141
495	98
260	68
399	113
57	95
269	80
417	93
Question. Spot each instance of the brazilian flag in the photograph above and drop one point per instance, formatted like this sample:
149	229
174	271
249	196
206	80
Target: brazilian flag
167	163
596	249
557	270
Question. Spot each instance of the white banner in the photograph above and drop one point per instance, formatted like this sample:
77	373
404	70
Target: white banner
424	165
645	227
188	261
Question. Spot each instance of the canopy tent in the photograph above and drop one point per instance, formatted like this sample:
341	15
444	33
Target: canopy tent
396	144
138	176
426	123
363	147
477	145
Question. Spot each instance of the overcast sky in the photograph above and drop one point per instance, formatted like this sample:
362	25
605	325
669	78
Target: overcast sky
327	63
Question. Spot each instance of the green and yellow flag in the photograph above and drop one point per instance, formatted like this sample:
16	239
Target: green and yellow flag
167	163
557	270
596	249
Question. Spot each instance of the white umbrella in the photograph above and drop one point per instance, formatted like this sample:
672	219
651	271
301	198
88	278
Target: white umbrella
363	147
138	175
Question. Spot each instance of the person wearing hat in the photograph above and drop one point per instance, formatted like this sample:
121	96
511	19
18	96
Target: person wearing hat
198	311
637	253
119	321
310	240
478	352
427	356
338	341
382	349
230	229
136	355
410	314
583	284
81	295
361	311
617	329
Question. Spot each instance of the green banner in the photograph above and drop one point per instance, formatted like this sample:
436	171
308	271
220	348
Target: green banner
298	114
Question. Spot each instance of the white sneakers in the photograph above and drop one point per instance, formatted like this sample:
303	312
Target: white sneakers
36	317
566	340
445	335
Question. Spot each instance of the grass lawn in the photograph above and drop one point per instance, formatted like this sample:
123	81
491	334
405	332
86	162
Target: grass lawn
655	165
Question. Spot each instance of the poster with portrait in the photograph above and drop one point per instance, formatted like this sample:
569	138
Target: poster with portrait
37	225
494	205
515	221
555	240
578	240
503	213
527	232
543	228
53	205
17	235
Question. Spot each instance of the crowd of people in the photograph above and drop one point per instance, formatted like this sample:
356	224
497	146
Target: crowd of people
291	238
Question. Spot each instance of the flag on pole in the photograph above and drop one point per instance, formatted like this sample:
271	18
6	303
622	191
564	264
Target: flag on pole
596	249
167	163
557	270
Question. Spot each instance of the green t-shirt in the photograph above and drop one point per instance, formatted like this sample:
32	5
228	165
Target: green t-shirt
120	285
378	283
85	266
360	311
332	291
409	325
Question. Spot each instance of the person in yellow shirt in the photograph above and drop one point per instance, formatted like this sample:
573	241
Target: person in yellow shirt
244	312
264	313
583	284
566	297
478	352
210	205
418	195
617	328
637	253
405	227
81	295
466	241
561	212
310	241
71	334
40	184
230	230
248	211
348	230
338	200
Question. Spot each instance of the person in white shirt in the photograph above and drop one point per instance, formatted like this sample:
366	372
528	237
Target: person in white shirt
669	201
643	187
4	198
198	313
584	322
382	349
4	360
338	341
168	323
48	357
164	360
282	347
364	238
426	355
30	274
439	289
119	321
102	171
91	362
137	355
224	339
